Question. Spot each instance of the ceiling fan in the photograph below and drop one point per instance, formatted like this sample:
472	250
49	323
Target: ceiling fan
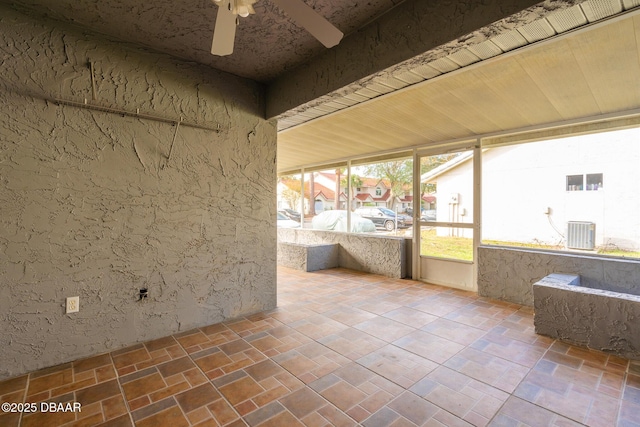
229	12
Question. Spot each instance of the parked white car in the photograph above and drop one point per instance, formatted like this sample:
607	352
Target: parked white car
286	222
336	220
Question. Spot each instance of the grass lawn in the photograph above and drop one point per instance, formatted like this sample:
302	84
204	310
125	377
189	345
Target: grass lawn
462	248
620	253
445	247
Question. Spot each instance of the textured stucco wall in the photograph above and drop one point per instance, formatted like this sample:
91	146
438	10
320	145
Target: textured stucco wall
92	204
383	255
308	257
594	318
509	274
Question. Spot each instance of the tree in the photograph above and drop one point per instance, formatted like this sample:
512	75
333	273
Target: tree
428	164
399	173
356	182
312	197
291	194
292	197
337	196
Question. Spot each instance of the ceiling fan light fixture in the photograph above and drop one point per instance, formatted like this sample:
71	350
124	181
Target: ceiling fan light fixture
230	11
244	7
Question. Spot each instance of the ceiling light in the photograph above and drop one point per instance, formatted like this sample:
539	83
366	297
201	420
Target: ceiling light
243	7
243	11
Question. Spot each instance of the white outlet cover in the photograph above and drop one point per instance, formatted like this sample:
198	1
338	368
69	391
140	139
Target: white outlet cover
73	304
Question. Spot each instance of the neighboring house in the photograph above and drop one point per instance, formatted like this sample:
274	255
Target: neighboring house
326	179
406	199
429	201
323	196
371	192
363	199
531	192
378	191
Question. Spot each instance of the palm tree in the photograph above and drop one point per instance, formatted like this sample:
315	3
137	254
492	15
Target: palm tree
356	182
337	197
312	192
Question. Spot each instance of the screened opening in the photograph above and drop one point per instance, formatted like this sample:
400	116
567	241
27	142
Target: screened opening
447	196
529	200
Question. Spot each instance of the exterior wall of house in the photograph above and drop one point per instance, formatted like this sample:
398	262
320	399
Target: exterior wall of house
100	205
320	205
522	182
459	182
322	179
327	201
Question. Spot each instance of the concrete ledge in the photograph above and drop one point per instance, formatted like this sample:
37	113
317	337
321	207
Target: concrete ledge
595	318
384	255
307	257
556	279
508	274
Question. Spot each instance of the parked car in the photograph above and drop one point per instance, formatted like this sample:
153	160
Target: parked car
385	218
336	220
285	222
409	212
429	215
291	214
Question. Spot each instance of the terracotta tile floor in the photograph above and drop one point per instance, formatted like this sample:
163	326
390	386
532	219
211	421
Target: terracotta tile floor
345	348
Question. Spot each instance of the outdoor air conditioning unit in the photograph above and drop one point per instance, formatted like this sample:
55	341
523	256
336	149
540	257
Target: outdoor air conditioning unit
581	235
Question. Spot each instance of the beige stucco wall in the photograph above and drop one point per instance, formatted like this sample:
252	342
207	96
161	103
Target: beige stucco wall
91	204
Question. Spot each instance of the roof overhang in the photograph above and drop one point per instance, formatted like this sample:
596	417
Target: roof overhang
590	72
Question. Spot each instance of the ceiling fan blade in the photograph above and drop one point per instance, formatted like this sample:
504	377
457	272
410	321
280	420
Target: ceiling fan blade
224	33
311	21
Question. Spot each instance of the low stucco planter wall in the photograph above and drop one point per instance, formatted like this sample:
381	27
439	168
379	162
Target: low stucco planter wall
384	255
596	318
308	257
509	273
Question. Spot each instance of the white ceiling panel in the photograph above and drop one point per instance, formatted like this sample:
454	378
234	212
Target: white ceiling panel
589	72
537	30
567	19
599	9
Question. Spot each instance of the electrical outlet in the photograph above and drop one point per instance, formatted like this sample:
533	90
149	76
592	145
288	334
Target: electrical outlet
73	304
